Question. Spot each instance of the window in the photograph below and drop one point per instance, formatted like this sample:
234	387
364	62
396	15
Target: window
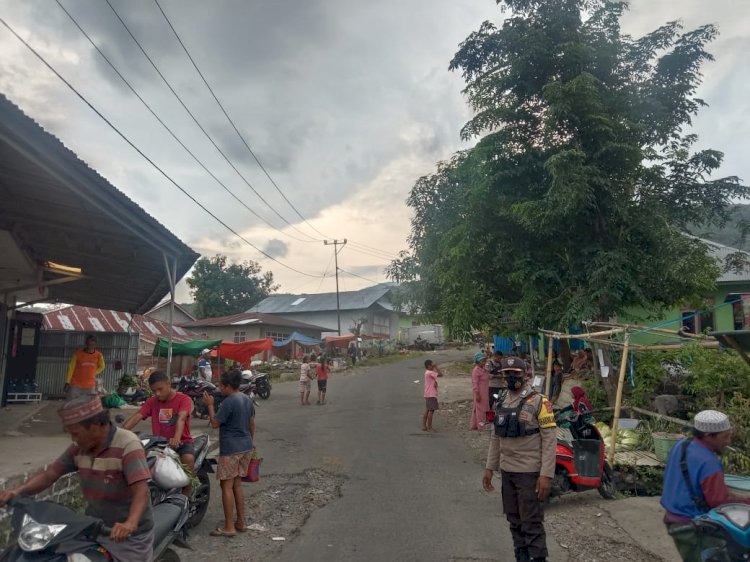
239	337
698	321
277	336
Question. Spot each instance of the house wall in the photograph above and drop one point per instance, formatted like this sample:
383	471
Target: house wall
671	319
227	333
384	321
163	315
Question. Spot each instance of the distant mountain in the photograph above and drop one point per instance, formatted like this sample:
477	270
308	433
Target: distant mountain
731	234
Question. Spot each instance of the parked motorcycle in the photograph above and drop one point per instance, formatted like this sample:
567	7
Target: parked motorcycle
44	530
257	383
580	462
729	526
201	494
194	388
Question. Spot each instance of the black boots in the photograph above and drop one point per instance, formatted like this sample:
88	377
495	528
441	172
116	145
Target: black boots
522	554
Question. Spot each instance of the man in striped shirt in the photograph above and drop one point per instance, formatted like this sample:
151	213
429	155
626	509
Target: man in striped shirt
113	471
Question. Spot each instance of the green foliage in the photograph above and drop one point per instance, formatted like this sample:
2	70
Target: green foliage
573	204
221	288
596	393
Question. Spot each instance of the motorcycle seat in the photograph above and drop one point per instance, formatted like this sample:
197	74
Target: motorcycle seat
166	517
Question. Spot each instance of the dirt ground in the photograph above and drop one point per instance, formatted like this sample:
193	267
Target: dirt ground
587	527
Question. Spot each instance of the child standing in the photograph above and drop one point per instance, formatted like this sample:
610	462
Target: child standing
322	370
305	381
236	422
431	374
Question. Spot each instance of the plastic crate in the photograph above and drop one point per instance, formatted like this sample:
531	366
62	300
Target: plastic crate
15	397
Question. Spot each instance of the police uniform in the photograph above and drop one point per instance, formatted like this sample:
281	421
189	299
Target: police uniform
522	448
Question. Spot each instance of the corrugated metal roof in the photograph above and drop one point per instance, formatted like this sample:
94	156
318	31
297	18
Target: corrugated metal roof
92	320
349	300
720	253
60	210
245	318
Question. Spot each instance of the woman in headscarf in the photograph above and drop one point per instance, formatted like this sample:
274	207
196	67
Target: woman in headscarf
480	386
581	404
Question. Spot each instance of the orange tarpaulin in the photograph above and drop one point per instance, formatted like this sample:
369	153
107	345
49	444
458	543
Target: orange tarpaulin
245	351
343	341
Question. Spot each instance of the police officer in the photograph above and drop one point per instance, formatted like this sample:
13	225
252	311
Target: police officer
522	448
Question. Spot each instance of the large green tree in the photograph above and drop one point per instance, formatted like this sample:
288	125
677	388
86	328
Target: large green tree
221	288
574	203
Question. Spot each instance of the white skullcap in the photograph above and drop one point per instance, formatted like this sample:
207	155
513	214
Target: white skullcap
711	421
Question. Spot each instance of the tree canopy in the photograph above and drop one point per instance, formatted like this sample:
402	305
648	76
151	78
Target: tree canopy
221	288
574	203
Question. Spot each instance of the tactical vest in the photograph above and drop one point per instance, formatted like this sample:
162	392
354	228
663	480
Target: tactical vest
508	421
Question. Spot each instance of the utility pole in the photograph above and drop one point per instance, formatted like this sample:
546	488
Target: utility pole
335	244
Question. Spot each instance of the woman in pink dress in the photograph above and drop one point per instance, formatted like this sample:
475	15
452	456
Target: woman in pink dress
480	386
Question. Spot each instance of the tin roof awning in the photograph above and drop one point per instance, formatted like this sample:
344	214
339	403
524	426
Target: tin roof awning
73	236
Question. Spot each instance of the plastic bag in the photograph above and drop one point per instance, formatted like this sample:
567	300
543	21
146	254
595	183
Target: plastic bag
168	472
113	400
253	469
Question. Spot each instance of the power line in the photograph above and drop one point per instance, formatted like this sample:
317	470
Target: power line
236	130
195	120
145	157
365	278
174	136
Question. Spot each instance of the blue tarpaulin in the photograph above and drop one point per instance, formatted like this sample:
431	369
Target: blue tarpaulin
299	338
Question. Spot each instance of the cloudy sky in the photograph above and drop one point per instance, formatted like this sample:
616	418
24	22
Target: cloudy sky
345	103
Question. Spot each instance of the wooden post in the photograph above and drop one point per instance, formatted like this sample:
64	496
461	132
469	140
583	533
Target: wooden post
618	401
548	382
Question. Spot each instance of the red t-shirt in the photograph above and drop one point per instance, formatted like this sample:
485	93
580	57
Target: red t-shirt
322	371
161	412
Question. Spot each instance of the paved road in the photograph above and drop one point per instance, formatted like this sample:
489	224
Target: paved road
406	495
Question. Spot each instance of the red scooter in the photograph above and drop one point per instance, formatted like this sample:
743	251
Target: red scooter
580	462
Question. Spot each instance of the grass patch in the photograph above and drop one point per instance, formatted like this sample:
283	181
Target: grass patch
388	359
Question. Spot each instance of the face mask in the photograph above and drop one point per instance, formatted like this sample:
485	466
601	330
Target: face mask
515	382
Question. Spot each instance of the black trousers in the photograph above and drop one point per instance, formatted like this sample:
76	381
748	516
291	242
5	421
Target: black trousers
524	512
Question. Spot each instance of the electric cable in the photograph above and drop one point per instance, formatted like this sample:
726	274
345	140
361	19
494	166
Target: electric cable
142	154
236	130
200	126
174	136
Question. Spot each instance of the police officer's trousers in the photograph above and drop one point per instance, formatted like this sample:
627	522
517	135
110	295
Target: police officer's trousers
524	512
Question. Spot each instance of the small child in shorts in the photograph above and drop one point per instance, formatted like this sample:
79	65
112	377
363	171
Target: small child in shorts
431	374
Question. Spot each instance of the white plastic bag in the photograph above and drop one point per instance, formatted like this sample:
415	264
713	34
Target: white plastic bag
168	472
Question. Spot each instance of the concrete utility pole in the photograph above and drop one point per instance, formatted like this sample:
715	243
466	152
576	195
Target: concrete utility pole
335	244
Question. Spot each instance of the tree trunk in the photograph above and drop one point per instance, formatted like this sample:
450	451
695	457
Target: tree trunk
565	355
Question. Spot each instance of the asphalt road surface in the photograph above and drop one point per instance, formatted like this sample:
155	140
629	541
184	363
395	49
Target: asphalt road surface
358	480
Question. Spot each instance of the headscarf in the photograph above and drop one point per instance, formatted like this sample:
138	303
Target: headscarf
579	397
479	356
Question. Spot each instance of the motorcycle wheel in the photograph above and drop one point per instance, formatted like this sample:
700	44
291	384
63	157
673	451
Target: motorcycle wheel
200	500
264	391
607	489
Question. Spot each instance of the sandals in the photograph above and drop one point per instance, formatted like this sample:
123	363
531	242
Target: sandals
219	532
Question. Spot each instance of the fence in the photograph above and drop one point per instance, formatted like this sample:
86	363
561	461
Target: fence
57	347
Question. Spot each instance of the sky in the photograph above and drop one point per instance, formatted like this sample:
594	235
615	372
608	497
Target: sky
345	104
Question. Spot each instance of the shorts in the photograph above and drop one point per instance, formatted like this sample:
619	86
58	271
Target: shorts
322	384
229	467
305	386
185	449
431	404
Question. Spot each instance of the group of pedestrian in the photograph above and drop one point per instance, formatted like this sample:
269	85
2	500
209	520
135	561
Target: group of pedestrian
313	367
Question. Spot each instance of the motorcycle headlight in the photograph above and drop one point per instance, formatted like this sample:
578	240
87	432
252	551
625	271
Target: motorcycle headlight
36	536
738	514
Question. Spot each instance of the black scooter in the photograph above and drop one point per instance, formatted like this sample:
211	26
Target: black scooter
45	529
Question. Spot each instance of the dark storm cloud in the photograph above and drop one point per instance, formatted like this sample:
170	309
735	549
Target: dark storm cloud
276	248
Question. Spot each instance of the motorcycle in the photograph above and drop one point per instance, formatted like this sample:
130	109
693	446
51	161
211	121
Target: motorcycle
580	462
729	526
257	383
45	529
194	387
201	494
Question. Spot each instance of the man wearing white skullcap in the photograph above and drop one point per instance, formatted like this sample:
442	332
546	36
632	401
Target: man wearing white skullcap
694	479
